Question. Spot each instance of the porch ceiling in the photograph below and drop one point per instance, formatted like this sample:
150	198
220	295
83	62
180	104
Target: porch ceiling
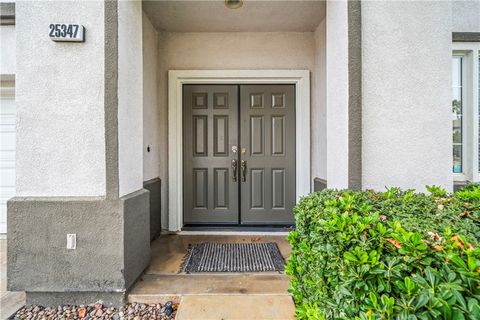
213	16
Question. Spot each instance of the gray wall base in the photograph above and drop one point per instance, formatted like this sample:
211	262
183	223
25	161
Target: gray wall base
113	244
458	185
136	235
466	36
155	187
51	299
319	184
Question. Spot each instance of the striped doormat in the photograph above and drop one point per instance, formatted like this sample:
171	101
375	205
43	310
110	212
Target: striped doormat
233	257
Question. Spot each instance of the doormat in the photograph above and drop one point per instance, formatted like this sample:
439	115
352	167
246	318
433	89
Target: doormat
233	257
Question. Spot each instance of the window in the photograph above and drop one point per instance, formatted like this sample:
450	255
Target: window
457	112
466	111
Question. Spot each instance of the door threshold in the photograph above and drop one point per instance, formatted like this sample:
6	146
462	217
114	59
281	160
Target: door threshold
232	230
230	233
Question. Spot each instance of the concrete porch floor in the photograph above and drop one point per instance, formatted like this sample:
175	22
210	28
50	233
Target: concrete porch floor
213	295
202	296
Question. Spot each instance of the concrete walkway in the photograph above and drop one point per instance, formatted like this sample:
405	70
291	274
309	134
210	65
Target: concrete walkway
214	295
269	307
9	301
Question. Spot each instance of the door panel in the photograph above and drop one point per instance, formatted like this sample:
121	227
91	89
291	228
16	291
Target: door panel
257	189
267	114
220	136
257	135
210	122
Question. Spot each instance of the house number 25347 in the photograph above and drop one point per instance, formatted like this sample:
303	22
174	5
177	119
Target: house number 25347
66	32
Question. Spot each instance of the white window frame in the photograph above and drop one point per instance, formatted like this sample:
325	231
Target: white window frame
462	176
469	51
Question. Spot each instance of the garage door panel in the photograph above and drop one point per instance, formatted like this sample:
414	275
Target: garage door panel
7	141
7	158
8	177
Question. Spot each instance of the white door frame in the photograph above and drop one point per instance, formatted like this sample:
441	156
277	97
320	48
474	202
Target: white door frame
177	78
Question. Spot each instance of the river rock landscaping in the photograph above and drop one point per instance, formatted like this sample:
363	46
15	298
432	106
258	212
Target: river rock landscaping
133	311
387	255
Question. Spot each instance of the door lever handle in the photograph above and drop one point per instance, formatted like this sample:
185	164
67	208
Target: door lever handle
234	170
243	164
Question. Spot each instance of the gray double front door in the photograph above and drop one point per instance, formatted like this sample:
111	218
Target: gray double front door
238	154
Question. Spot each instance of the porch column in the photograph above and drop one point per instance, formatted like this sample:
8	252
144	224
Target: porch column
344	93
79	155
406	94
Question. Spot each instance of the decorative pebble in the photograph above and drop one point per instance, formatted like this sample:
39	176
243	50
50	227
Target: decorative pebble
82	312
97	311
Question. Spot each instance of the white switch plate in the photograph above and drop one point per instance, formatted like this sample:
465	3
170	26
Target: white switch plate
71	241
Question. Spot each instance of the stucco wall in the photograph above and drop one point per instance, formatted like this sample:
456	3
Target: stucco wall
7	53
60	111
466	16
237	50
151	114
130	96
337	94
406	52
319	109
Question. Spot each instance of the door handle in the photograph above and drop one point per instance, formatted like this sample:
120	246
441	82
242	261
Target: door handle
234	170
243	164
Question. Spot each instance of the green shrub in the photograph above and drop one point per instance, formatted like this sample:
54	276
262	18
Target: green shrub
391	255
470	193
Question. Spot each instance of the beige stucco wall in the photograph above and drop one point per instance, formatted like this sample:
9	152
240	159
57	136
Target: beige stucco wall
244	50
151	114
60	90
60	94
466	16
406	91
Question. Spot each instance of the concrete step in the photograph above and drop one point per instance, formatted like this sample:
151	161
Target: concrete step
233	307
10	302
159	288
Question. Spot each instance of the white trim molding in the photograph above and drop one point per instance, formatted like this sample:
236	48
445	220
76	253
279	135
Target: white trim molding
177	78
470	51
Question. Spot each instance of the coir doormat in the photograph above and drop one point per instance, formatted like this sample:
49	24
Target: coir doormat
233	257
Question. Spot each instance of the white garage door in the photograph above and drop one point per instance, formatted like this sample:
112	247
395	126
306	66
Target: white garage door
7	154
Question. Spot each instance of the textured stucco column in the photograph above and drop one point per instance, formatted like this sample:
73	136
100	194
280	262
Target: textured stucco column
71	128
406	93
344	94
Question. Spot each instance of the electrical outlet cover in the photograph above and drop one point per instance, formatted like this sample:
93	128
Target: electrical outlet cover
71	241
